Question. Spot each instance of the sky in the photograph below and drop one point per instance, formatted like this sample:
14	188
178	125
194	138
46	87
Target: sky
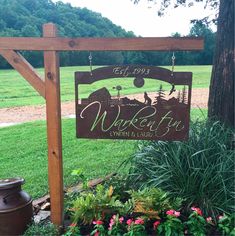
142	18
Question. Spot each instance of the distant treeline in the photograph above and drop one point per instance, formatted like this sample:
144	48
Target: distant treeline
26	17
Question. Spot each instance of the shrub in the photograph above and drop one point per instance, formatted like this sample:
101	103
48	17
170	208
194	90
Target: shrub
94	205
152	202
42	229
200	171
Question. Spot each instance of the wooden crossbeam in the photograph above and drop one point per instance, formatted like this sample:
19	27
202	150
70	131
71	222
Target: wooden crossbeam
102	44
19	63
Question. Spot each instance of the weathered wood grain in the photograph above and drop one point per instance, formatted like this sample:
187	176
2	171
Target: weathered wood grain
102	44
54	136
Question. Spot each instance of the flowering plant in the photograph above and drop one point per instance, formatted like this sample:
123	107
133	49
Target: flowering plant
116	226
226	224
172	225
118	218
196	224
73	230
99	229
135	227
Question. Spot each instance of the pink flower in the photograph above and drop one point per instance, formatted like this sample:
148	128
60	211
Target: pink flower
98	222
209	220
114	217
155	224
129	221
173	213
198	210
121	219
220	217
96	233
111	223
139	221
170	212
177	213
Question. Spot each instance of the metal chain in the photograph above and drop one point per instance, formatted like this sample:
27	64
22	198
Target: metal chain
173	63
172	74
90	60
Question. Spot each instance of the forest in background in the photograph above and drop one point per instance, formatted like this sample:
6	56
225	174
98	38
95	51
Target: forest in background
25	18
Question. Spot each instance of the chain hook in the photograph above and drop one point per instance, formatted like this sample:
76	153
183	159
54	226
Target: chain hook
173	64
172	73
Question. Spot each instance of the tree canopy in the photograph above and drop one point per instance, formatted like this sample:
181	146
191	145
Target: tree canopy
25	18
221	97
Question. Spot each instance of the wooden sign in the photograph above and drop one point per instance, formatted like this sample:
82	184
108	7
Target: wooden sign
159	115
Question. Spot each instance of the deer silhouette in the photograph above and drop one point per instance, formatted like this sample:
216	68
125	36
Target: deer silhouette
147	99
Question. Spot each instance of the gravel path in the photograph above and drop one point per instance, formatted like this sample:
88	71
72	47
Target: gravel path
15	115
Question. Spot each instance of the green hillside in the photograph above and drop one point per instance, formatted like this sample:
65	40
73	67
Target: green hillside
25	18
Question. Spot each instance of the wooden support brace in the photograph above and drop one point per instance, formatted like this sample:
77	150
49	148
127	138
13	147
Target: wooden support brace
19	63
54	136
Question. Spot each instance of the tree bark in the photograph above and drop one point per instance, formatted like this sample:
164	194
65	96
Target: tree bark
221	97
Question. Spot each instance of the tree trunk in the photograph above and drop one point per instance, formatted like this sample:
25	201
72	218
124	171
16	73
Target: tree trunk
221	98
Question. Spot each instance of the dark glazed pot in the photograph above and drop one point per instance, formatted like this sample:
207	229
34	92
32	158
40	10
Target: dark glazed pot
15	207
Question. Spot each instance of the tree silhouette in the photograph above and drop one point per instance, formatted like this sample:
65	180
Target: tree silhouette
160	96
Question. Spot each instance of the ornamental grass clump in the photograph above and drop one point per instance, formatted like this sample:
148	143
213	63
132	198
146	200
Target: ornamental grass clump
200	170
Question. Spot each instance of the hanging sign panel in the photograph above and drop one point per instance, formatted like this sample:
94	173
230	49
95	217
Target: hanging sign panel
162	114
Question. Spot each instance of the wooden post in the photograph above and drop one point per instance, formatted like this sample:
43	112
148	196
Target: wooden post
54	134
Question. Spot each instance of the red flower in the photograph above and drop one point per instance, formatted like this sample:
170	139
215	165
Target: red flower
155	224
198	210
73	225
98	222
129	222
139	221
170	212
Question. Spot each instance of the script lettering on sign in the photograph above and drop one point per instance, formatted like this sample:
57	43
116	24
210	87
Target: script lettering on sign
159	115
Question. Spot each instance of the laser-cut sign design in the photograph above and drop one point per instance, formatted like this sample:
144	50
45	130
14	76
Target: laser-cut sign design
158	115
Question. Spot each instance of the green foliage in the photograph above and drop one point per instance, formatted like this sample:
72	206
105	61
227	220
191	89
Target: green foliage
79	174
116	226
226	225
94	205
172	226
196	224
41	230
200	171
153	201
136	230
99	230
73	230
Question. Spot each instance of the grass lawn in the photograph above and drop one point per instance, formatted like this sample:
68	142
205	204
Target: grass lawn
23	152
15	91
